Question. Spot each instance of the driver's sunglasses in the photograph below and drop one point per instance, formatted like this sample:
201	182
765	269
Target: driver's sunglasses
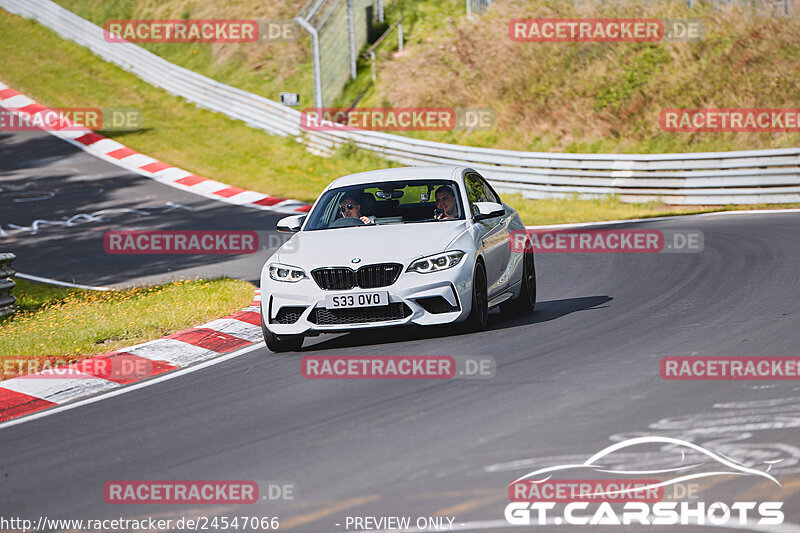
347	207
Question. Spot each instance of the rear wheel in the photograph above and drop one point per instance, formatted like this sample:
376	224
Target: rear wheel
479	315
281	343
526	301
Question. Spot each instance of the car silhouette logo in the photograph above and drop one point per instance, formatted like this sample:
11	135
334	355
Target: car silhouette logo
684	471
355	260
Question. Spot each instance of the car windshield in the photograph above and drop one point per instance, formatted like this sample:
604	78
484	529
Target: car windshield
388	202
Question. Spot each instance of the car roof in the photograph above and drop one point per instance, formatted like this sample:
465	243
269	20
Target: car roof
393	174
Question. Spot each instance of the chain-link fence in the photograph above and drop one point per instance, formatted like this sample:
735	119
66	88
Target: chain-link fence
339	29
477	7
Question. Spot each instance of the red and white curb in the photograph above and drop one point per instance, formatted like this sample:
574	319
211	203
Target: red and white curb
28	394
131	160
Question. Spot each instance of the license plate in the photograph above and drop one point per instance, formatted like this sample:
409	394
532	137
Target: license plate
356	299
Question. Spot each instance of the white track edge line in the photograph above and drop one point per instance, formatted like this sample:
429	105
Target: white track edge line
672	217
61	283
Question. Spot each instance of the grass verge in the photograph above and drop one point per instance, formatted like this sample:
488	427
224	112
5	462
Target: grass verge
69	324
565	211
176	131
599	97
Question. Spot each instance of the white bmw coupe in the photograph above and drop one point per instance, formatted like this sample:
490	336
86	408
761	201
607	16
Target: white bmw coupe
415	245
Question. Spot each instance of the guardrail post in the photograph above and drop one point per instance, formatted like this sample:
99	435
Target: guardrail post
400	37
351	34
315	58
6	284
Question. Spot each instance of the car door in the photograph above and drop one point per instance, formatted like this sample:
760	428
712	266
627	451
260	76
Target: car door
493	233
503	233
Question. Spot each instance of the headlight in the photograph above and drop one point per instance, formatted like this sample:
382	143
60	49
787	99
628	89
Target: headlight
435	263
280	272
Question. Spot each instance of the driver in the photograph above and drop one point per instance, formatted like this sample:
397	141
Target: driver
350	208
445	204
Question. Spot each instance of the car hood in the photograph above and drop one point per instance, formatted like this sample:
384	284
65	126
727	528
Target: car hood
372	244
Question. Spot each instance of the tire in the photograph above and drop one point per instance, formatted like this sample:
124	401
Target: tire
526	301
281	343
479	314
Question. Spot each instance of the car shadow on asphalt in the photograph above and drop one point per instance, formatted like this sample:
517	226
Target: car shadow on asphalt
545	311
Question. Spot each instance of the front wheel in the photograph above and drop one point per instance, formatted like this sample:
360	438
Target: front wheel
479	314
526	301
281	343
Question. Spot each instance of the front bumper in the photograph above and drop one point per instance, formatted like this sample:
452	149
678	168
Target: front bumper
303	303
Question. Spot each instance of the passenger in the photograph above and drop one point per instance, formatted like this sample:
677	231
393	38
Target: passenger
350	208
446	204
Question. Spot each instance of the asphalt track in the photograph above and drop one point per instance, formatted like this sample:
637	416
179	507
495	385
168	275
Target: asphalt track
77	197
577	375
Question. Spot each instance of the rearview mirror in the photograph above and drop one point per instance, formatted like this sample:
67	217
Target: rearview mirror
291	224
389	194
484	210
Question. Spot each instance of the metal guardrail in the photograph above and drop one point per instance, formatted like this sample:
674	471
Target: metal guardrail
6	285
398	24
758	176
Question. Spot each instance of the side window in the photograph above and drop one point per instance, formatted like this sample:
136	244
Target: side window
475	190
489	193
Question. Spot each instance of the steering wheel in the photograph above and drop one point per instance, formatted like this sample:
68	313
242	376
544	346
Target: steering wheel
346	222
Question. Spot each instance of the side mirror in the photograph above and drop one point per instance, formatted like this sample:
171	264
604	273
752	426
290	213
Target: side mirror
291	224
484	210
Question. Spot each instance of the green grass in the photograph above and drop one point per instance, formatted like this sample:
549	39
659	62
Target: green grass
72	323
261	68
566	97
206	143
32	297
597	97
564	211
